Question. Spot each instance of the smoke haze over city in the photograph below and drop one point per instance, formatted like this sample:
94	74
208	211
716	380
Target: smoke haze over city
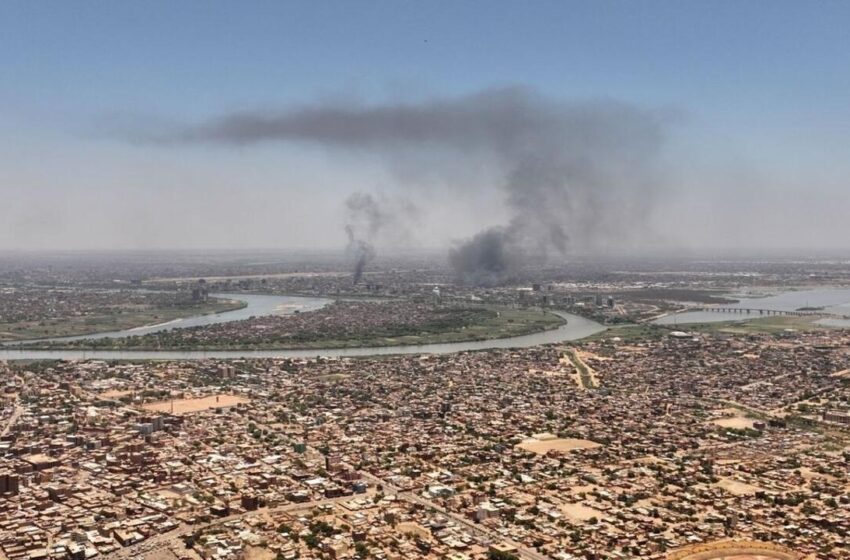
433	280
634	131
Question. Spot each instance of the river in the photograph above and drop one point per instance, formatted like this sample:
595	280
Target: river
255	306
576	327
834	301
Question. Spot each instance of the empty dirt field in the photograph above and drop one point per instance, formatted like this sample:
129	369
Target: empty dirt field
733	556
734	418
188	406
734	550
581	512
737	487
115	394
541	447
736	422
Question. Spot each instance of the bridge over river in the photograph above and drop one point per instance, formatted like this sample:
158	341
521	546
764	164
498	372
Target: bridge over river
711	314
752	311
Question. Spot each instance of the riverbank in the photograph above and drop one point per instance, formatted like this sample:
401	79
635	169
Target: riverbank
574	328
833	302
130	319
298	332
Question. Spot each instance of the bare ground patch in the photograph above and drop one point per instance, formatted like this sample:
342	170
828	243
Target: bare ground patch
188	406
558	444
581	512
736	487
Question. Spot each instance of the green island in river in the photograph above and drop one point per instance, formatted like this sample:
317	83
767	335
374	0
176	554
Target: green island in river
342	324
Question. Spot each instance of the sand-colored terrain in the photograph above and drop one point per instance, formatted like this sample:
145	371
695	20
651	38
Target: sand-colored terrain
724	556
258	553
541	447
188	406
115	394
734	550
737	422
412	528
809	474
581	512
584	376
734	418
737	487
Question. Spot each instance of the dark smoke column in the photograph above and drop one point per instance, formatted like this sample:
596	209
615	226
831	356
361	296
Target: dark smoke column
482	260
362	252
573	175
365	220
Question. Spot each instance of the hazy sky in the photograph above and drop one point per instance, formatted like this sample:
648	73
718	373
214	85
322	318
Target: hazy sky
751	100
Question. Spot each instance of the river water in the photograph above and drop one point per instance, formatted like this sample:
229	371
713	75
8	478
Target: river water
834	301
255	306
575	328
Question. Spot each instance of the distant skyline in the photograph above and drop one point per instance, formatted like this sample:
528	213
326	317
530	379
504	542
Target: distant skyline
751	98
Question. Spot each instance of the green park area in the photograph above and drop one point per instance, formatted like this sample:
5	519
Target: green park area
486	323
445	325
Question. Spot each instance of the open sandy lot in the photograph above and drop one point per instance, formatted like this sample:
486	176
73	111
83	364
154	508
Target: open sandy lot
414	528
581	512
744	557
734	418
115	394
258	553
734	550
736	487
169	494
737	422
187	406
568	444
733	556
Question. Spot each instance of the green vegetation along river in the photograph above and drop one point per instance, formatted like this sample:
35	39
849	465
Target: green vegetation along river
574	328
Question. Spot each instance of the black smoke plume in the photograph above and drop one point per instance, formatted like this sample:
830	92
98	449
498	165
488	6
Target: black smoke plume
365	220
572	174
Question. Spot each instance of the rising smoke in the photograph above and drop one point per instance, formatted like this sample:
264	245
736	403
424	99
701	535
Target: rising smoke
365	220
572	174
